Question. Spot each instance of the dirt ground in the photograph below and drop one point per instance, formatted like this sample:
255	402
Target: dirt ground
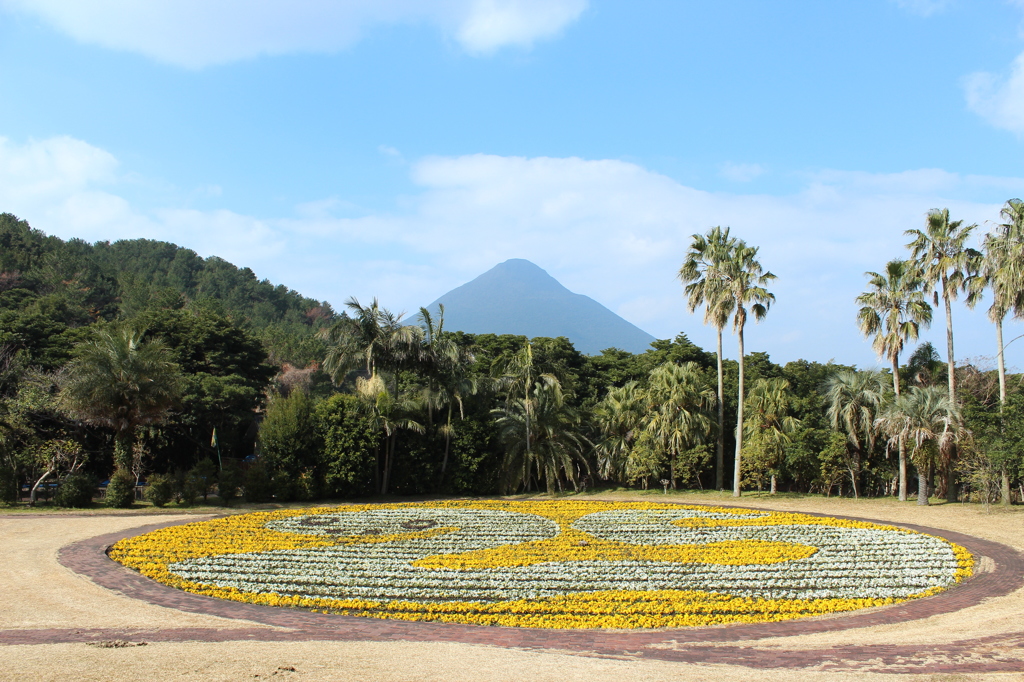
39	593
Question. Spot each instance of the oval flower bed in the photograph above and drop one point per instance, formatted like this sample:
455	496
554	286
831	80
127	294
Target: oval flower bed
551	564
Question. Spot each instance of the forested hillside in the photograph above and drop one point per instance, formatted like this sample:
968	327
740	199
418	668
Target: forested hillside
49	288
140	361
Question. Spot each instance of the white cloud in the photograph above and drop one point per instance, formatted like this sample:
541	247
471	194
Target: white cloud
924	8
1000	101
198	33
491	24
741	172
609	229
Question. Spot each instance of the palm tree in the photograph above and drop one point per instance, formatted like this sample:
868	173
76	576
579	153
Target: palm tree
702	273
119	381
521	377
929	420
946	266
745	280
768	423
893	310
542	436
679	400
854	400
1002	271
924	365
374	337
446	368
619	417
387	415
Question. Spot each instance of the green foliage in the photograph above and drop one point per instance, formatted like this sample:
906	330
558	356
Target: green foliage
832	463
8	484
204	473
224	376
121	382
75	490
474	468
994	455
229	482
160	490
258	486
348	447
290	444
120	490
187	487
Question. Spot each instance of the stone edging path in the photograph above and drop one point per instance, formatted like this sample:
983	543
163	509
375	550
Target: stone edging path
730	645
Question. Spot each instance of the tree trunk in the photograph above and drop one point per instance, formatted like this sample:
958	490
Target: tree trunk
950	367
773	484
35	489
447	443
1001	360
376	466
389	455
948	467
672	469
903	470
922	485
123	455
902	445
739	422
1004	487
720	446
853	482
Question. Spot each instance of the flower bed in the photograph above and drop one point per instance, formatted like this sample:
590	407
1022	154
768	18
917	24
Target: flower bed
555	564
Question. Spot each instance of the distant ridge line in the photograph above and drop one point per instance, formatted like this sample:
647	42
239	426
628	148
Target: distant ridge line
518	297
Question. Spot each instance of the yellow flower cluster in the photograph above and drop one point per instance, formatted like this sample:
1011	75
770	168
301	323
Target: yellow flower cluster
153	553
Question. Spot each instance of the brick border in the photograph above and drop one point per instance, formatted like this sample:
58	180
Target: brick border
708	645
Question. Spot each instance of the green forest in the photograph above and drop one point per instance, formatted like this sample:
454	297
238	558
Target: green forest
138	365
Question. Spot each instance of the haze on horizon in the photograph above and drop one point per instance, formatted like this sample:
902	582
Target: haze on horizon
399	149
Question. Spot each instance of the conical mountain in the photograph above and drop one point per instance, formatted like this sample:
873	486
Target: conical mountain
517	297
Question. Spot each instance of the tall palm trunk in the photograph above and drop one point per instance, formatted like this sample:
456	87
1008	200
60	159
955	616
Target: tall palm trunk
922	484
720	446
376	466
902	446
950	367
447	443
389	457
1004	473
124	440
739	420
947	462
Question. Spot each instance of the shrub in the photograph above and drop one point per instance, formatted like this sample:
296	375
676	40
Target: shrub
258	484
76	490
190	487
160	490
228	483
204	473
120	490
348	447
289	442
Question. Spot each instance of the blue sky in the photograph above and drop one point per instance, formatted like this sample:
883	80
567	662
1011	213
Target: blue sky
398	148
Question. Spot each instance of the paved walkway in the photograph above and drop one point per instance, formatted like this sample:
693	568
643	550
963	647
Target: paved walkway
733	645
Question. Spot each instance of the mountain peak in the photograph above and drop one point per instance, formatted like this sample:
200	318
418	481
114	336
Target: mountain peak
519	297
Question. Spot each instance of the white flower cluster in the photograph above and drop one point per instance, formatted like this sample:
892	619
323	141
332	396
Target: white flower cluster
847	563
